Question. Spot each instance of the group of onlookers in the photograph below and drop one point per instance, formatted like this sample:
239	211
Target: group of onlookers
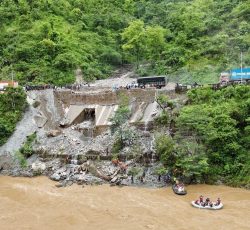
43	87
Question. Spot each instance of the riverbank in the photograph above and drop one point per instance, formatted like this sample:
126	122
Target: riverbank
36	203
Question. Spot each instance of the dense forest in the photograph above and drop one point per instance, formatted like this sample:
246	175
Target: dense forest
212	138
44	41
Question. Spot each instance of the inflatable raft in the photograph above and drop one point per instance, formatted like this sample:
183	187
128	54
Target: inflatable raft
178	191
207	207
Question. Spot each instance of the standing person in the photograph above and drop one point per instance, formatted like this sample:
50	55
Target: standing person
132	179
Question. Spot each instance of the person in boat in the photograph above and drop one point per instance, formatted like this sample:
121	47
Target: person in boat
218	202
181	187
201	199
197	202
207	201
211	204
176	185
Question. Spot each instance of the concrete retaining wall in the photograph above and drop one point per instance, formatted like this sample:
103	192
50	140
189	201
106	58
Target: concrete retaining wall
68	97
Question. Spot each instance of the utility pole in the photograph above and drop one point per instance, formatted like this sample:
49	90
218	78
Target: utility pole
241	57
12	75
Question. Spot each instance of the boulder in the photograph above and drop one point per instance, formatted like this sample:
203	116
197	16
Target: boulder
125	182
40	121
146	134
64	122
80	177
114	179
6	162
38	166
55	177
53	133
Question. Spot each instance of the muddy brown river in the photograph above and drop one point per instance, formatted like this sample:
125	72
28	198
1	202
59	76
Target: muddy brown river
35	203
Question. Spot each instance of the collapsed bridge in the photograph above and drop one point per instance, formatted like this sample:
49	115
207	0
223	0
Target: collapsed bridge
100	107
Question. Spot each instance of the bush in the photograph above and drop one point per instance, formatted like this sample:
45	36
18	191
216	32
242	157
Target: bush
134	171
165	147
117	146
27	150
163	118
21	159
36	104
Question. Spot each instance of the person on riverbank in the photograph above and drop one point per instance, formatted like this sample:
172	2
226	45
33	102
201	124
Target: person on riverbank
132	179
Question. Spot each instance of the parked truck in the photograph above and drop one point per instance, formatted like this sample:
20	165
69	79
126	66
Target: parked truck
235	76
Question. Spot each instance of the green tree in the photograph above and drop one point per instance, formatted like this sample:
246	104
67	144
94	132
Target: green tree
12	106
120	119
219	122
154	42
165	147
134	36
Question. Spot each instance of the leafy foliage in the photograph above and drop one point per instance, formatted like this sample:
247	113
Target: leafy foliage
12	105
21	159
26	150
212	138
165	150
119	124
192	40
220	122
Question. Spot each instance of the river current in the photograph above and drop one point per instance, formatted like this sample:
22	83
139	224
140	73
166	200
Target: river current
37	204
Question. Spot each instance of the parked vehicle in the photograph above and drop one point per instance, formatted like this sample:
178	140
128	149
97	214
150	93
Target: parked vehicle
235	75
157	81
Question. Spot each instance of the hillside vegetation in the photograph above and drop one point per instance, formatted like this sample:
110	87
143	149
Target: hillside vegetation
212	141
12	105
44	41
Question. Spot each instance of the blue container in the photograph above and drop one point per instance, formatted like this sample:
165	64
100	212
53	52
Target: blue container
237	74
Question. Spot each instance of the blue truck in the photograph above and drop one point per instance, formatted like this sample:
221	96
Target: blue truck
240	74
236	75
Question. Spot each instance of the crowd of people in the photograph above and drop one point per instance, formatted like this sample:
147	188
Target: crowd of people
207	202
115	87
43	87
132	85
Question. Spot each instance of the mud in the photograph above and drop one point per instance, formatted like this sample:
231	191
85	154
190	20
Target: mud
37	204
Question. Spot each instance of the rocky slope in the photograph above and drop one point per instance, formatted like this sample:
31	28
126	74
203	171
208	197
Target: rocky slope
72	155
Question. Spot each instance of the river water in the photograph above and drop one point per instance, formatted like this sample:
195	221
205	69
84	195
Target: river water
35	203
